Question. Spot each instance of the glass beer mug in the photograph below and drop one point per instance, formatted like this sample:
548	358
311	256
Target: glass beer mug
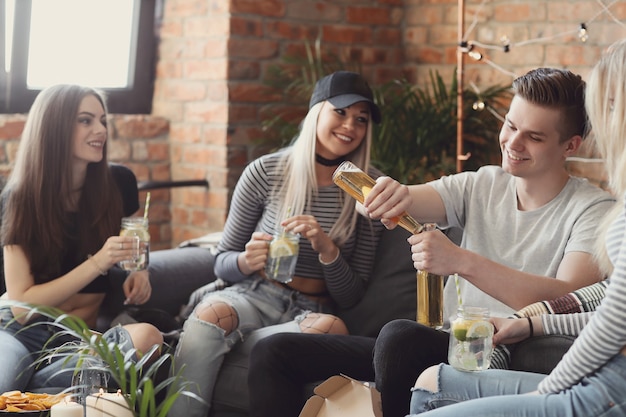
358	184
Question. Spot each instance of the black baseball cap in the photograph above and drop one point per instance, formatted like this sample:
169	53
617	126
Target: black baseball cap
343	89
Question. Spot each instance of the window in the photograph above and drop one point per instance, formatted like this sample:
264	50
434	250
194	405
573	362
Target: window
108	44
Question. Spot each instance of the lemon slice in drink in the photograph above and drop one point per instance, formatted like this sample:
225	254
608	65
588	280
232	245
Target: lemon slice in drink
479	330
282	247
141	233
460	328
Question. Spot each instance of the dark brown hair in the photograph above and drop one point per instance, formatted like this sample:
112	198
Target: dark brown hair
560	89
36	197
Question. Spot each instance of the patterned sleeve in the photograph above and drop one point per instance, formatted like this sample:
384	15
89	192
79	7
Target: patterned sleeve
346	278
246	209
565	315
605	333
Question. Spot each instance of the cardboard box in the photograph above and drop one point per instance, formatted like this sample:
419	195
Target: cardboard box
342	396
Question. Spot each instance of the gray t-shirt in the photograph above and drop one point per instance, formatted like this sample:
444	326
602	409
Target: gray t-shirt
484	205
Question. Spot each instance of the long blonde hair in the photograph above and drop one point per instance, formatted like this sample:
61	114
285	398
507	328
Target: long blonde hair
301	185
606	107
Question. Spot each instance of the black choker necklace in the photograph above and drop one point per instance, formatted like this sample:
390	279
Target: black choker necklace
329	162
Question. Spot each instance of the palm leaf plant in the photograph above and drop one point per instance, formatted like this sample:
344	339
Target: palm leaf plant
416	140
148	387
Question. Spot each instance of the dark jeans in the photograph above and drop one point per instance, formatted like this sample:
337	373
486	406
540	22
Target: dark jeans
282	364
403	350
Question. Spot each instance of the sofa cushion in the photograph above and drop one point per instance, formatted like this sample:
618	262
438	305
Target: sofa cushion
392	289
540	354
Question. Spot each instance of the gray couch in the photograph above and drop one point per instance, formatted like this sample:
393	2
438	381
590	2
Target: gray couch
391	294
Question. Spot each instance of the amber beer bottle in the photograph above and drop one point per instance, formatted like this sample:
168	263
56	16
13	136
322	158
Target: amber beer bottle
358	184
429	295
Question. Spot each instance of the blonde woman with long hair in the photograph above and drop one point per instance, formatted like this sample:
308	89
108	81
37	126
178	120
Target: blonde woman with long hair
290	190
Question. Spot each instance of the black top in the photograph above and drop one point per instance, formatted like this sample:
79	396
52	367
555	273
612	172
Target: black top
71	258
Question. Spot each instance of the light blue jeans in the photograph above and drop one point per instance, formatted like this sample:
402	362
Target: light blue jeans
500	393
200	352
21	346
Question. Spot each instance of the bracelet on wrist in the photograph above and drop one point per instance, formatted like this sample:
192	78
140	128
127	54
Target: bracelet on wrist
319	257
530	325
95	263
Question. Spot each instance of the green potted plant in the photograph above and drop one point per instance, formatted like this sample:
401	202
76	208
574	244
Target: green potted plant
147	386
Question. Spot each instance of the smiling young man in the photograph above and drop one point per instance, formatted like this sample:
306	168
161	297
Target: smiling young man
529	231
529	228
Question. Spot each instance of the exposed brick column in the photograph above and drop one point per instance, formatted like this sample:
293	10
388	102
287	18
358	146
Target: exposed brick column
191	92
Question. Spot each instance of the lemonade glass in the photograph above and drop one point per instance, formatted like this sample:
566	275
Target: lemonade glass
282	256
471	339
136	227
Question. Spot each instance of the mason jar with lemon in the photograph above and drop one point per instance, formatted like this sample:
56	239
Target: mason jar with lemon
471	339
283	256
136	227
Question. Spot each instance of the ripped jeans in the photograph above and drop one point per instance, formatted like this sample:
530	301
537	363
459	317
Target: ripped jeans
496	393
202	346
22	346
457	386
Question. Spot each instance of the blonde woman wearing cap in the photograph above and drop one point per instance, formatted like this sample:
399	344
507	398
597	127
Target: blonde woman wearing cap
290	189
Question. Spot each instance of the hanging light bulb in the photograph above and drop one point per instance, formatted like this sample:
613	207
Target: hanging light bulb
475	55
506	43
478	105
583	35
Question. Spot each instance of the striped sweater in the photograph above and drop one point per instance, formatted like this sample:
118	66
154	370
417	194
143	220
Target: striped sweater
601	333
253	208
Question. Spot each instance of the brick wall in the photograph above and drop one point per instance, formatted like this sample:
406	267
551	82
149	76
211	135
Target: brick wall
215	54
214	57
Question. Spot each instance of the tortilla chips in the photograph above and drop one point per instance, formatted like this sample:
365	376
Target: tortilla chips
17	401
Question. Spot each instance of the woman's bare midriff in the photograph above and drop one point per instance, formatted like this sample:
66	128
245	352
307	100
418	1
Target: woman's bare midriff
85	306
623	350
308	285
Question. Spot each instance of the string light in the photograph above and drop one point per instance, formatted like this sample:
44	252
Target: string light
506	43
468	47
582	32
583	35
475	55
478	105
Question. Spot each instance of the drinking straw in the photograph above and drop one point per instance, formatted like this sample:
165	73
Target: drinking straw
458	289
145	210
288	214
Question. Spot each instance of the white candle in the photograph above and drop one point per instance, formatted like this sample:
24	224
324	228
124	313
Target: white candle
114	404
66	408
94	404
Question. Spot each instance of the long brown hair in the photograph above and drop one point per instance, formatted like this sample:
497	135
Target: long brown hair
39	190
